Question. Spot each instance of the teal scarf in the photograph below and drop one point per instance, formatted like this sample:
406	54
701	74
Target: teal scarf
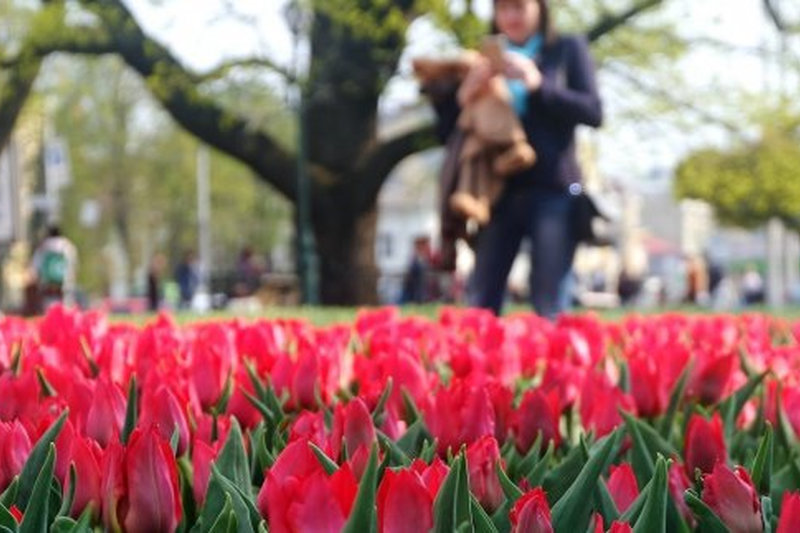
519	93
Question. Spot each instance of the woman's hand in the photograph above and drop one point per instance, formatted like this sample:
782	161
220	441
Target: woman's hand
475	82
519	67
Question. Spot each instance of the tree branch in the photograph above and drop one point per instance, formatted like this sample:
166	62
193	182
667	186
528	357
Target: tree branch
376	166
249	62
174	87
777	18
611	22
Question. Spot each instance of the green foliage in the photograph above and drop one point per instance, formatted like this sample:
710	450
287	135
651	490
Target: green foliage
749	184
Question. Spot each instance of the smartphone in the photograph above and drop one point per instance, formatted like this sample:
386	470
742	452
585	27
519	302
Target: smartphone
493	48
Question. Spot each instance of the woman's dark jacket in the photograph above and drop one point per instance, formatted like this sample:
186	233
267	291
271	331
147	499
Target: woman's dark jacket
568	97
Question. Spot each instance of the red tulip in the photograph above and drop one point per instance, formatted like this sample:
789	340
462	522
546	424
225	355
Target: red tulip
140	485
648	386
537	413
710	381
531	513
620	527
398	493
482	458
297	495
107	412
202	456
310	426
459	414
212	363
162	410
353	433
432	475
16	513
678	483
732	496
622	486
87	456
601	402
704	444
15	446
790	513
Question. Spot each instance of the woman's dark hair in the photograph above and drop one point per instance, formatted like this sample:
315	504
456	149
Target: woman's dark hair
545	22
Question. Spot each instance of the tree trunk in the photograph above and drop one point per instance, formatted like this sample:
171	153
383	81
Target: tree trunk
345	249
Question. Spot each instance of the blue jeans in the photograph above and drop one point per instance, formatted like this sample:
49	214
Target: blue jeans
544	217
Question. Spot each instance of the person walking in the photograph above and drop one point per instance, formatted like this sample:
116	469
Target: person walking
551	78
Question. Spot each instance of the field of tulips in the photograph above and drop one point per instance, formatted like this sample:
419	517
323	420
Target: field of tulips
391	424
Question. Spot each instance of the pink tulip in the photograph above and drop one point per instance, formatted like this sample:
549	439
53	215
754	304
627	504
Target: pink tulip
622	486
432	475
704	444
107	412
87	456
538	413
15	446
202	456
732	496
162	410
398	493
531	513
790	513
482	458
353	433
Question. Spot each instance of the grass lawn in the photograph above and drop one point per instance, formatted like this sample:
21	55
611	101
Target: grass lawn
322	316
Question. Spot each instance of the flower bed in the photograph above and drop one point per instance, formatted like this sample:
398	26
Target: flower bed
468	423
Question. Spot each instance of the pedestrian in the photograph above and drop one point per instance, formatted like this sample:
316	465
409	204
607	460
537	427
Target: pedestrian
54	266
551	78
188	278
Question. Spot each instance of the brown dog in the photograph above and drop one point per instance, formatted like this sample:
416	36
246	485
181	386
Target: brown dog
495	146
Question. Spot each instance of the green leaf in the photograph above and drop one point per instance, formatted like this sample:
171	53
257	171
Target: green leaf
328	464
412	439
572	512
7	519
624	377
131	411
66	504
762	464
258	386
767	515
642	456
412	412
733	404
65	524
448	509
481	520
9	496
224	398
232	460
47	389
377	413
512	492
605	503
463	510
665	428
536	476
247	515
707	520
35	515
519	468
654	515
36	461
632	513
397	455
558	480
363	518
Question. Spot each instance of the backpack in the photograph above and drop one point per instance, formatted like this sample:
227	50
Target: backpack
53	269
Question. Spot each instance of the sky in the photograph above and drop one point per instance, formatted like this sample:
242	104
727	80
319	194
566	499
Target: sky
202	33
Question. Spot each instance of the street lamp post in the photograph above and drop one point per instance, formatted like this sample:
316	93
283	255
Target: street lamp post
299	21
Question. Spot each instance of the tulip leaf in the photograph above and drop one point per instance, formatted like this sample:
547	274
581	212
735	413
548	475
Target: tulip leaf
224	398
558	480
396	454
536	476
362	517
378	412
707	520
65	524
428	451
265	411
226	517
632	513
35	518
762	464
232	460
7	520
624	377
767	515
247	516
447	515
733	404
131	411
642	456
481	521
675	397
36	461
518	467
412	439
512	492
47	389
654	515
258	385
573	510
328	464
69	497
185	475
412	412
9	496
605	503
